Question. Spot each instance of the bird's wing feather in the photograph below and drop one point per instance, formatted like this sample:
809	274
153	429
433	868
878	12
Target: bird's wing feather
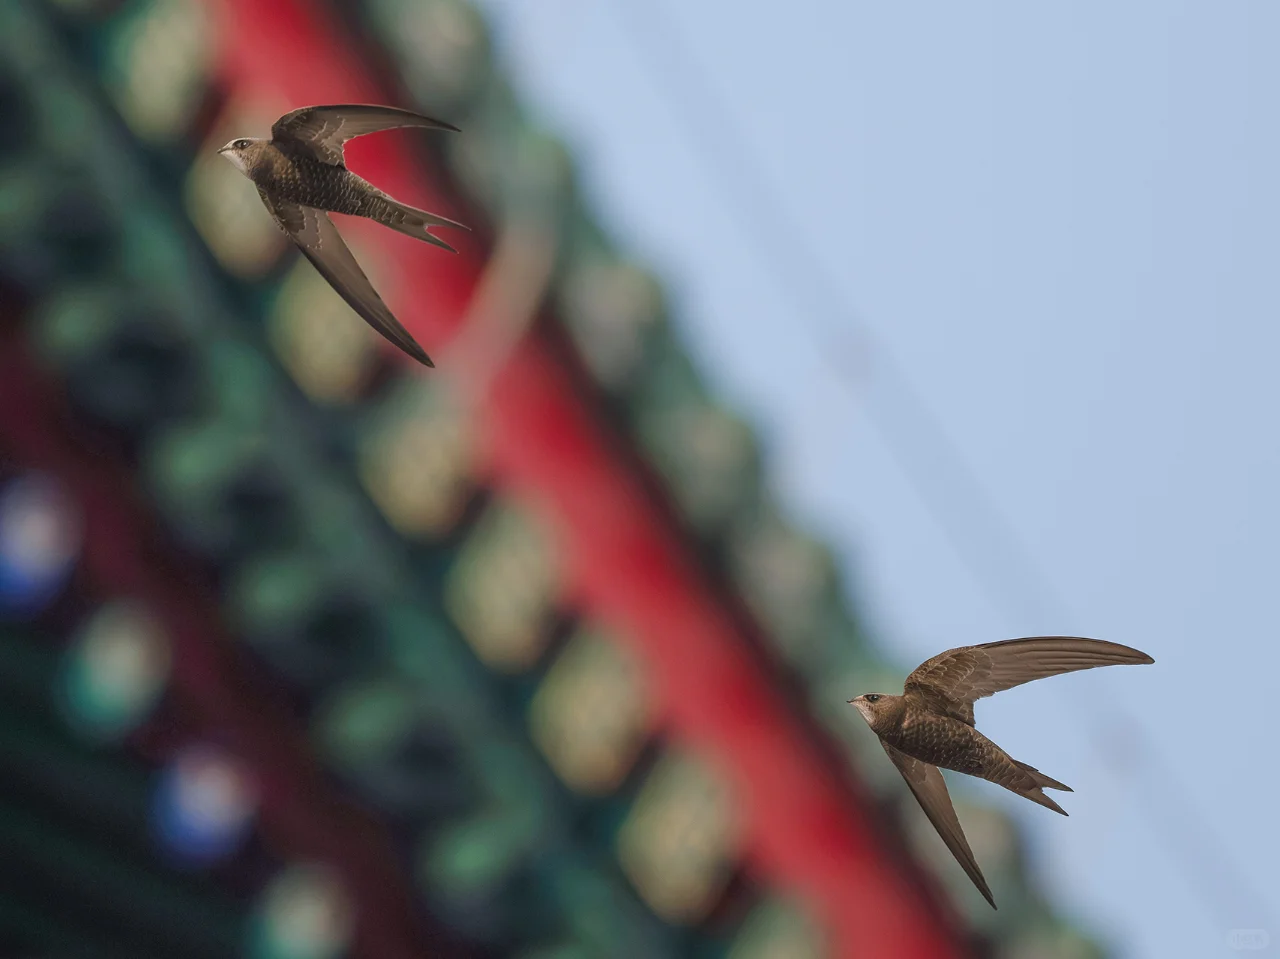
930	790
322	244
323	130
954	679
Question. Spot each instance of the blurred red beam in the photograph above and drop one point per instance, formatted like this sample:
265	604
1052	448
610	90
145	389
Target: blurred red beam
626	565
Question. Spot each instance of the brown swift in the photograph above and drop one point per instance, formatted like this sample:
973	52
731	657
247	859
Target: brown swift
931	723
300	174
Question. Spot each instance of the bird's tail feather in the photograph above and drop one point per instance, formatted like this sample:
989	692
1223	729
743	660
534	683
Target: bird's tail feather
414	222
1041	779
1037	796
1040	782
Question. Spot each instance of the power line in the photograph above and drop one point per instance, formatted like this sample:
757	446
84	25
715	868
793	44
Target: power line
957	501
913	435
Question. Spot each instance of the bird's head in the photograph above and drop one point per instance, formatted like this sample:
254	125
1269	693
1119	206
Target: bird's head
876	708
241	152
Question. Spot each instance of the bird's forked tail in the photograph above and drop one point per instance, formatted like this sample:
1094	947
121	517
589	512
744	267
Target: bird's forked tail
414	222
1041	779
1041	783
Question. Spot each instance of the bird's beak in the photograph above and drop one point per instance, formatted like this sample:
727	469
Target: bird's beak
851	701
223	149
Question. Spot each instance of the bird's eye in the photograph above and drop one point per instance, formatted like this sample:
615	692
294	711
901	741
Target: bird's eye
241	144
872	697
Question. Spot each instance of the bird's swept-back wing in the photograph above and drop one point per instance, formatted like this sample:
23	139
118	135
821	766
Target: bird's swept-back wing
951	681
323	130
930	790
322	244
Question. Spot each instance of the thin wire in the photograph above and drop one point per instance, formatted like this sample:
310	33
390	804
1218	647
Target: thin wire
969	518
914	437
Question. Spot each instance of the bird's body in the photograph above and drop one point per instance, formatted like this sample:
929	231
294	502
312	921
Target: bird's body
940	740
931	724
296	177
301	177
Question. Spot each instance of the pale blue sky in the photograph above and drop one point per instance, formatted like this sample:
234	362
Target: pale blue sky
1061	221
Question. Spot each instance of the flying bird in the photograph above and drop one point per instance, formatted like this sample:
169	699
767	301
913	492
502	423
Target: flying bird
931	723
300	174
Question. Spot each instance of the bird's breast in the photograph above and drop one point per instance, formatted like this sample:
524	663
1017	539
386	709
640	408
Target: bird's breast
941	741
300	180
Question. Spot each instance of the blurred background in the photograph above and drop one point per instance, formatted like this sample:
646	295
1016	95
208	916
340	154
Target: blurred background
790	347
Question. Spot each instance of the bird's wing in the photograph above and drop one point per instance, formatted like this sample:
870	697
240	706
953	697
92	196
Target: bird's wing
954	679
323	130
930	790
322	244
